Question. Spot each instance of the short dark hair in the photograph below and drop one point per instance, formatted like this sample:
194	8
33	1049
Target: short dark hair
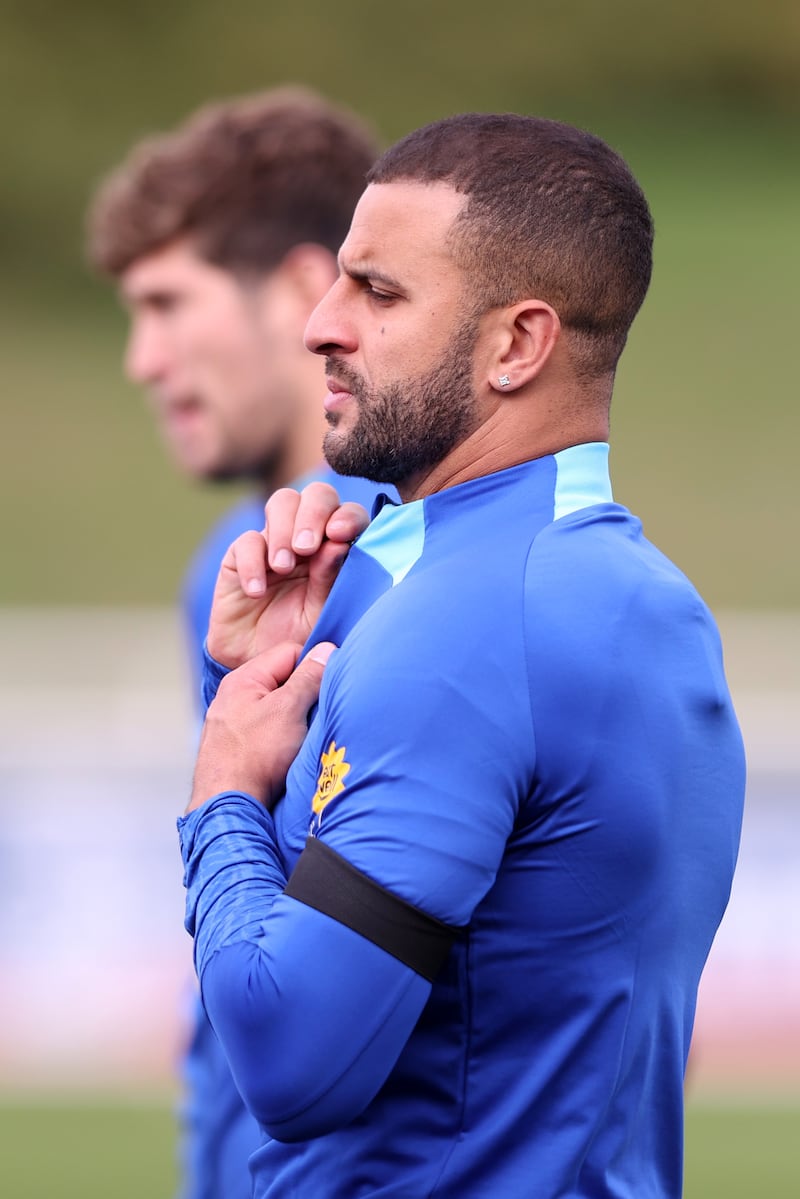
246	178
552	212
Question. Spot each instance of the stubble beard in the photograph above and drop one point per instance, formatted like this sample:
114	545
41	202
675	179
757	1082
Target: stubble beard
405	428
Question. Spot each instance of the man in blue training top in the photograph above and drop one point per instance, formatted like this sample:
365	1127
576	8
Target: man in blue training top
450	932
222	236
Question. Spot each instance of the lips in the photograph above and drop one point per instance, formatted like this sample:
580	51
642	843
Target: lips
168	402
180	417
338	394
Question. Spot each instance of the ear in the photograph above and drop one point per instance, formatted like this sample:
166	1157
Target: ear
524	338
308	271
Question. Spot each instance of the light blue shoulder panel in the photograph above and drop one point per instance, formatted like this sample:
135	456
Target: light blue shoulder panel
395	538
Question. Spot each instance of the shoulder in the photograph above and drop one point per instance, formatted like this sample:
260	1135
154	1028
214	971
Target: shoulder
596	563
607	614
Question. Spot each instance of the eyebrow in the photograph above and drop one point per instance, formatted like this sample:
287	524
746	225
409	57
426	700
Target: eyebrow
363	272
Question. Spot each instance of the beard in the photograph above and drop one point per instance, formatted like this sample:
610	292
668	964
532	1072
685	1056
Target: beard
407	427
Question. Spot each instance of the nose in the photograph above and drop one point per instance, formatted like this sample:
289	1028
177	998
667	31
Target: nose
146	352
329	329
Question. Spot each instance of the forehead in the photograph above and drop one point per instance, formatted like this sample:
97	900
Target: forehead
401	230
177	264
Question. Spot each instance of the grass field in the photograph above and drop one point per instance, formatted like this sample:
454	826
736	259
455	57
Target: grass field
742	1152
124	1151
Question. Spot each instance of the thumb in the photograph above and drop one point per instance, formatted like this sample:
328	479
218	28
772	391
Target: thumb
321	652
306	679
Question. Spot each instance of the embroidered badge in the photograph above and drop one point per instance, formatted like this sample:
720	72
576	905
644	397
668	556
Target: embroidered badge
331	777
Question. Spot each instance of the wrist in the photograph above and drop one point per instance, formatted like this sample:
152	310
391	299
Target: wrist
220	653
207	784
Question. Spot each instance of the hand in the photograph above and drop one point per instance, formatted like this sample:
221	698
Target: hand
272	585
257	723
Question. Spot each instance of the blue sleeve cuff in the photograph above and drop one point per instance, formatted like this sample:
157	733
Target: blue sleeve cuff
213	674
188	829
229	856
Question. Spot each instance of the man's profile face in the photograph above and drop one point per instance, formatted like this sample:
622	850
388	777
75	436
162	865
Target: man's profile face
399	337
216	358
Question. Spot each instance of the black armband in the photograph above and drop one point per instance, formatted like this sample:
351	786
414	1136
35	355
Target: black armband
324	880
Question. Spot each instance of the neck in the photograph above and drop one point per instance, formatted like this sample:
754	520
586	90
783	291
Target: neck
508	437
301	448
302	451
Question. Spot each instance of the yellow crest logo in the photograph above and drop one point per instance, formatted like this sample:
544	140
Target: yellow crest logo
331	777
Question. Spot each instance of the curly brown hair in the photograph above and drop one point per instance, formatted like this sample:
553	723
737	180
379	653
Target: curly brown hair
246	179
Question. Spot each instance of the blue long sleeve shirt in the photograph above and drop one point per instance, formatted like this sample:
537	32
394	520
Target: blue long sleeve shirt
526	736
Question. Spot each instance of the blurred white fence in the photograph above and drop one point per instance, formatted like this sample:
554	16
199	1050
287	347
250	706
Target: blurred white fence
96	736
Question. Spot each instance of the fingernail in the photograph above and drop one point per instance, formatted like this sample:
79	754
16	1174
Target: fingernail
304	540
321	653
283	558
255	587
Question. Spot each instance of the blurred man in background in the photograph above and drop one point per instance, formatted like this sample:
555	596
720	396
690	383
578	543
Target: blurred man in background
222	236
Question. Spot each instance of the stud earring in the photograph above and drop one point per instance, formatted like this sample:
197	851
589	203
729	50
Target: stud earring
504	380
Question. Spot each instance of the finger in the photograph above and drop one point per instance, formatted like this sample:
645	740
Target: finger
280	511
275	668
303	686
323	570
247	558
318	502
269	669
347	522
321	652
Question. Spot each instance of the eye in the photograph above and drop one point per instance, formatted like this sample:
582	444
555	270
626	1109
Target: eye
163	302
379	296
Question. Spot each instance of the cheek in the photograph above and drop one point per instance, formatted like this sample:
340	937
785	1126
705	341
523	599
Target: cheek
216	332
243	383
220	357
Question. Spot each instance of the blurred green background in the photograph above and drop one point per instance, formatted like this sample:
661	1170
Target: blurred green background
127	1151
702	99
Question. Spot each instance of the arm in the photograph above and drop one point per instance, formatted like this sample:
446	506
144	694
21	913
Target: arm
247	927
311	1015
314	1012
